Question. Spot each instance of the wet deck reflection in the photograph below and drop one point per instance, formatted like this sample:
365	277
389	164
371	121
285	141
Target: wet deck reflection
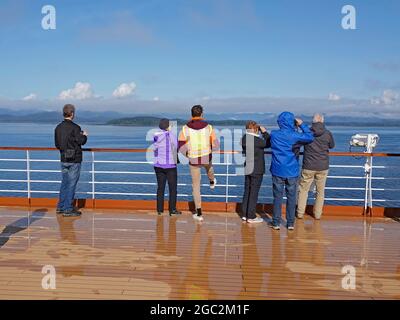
117	255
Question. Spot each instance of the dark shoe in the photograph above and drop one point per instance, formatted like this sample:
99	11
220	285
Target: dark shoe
59	211
175	212
72	213
275	227
159	213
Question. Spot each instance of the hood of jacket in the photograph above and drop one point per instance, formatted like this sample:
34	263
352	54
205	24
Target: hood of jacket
318	128
286	120
197	123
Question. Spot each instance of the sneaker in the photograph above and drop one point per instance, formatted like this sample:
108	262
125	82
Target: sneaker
290	228
275	227
255	220
198	218
175	212
72	213
59	211
159	213
300	216
244	219
213	183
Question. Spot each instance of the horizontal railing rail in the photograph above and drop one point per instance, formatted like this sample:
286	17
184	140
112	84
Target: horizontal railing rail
227	184
116	150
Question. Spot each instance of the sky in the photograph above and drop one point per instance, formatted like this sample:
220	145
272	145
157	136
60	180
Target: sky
229	55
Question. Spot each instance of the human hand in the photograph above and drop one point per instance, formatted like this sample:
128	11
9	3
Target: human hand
262	129
299	122
85	133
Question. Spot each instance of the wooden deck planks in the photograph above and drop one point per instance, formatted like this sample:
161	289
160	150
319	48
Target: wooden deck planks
138	255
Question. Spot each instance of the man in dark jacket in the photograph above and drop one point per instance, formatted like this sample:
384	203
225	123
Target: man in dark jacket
68	139
315	167
253	148
285	168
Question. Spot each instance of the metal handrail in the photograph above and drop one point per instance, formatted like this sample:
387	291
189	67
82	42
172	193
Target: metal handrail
28	170
336	154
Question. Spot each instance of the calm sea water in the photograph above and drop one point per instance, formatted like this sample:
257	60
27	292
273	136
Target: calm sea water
42	135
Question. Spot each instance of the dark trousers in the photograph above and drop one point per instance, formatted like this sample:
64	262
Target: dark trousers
252	185
164	175
70	177
279	186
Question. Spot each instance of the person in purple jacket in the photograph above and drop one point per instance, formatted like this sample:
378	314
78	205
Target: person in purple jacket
165	159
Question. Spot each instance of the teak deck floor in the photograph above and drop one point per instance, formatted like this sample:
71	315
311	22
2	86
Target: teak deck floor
138	255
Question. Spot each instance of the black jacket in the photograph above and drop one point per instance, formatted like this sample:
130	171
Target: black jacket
316	154
253	148
68	139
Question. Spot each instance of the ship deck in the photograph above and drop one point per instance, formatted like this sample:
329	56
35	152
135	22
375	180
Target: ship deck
110	254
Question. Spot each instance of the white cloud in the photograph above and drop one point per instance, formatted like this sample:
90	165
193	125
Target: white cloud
388	97
124	90
375	101
30	97
81	91
333	97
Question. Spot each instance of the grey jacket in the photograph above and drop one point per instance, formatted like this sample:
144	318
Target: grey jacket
316	154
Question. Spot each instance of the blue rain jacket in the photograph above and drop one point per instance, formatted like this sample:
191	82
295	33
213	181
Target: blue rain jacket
285	162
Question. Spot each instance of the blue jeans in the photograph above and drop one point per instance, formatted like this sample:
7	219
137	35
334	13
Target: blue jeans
278	186
70	177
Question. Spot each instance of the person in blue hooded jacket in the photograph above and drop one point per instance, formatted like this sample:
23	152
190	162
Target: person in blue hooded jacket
285	167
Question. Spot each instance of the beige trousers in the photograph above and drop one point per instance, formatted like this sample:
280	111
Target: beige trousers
195	172
307	178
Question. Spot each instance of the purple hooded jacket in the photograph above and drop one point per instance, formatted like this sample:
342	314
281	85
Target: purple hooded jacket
165	149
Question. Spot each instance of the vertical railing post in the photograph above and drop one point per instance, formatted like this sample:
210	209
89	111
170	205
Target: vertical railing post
371	200
227	179
93	195
28	174
93	177
368	201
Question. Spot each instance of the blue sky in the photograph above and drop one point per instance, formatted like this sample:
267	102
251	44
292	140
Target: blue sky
240	53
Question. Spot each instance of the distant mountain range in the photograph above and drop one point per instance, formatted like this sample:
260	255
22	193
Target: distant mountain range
154	121
222	119
29	116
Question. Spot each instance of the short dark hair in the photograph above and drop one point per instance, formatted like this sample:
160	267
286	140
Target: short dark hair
197	110
164	124
68	110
